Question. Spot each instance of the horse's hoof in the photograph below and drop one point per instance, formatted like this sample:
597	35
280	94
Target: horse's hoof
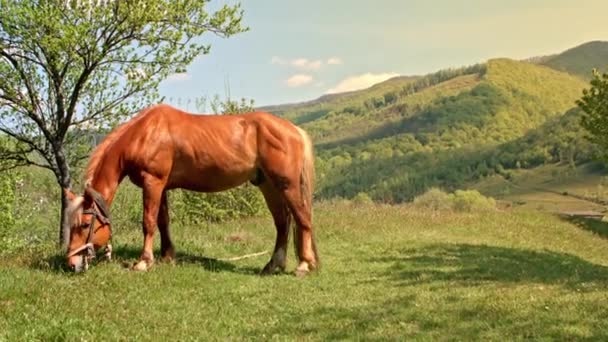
168	260
301	273
142	265
302	269
268	269
271	269
108	253
266	272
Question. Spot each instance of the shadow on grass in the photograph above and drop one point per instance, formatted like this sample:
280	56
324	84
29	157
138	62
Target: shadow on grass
408	312
474	265
593	225
127	255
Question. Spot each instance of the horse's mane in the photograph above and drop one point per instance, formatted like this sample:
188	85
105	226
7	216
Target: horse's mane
100	151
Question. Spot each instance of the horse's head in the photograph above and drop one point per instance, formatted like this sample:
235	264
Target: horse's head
89	219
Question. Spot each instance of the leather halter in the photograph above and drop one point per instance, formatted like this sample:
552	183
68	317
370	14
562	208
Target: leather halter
99	216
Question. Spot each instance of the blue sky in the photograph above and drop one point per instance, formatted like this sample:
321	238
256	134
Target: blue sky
300	50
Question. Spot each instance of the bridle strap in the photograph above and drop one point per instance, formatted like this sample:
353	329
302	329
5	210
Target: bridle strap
88	246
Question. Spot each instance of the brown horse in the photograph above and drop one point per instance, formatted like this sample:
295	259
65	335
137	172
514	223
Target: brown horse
163	148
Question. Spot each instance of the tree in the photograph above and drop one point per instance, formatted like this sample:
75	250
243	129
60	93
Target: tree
594	104
67	67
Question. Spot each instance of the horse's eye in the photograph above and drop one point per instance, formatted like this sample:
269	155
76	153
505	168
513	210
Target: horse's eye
84	225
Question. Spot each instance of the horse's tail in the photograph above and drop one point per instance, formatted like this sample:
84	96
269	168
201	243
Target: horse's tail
307	183
307	177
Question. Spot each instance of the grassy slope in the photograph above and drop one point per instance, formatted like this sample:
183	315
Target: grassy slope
553	187
388	273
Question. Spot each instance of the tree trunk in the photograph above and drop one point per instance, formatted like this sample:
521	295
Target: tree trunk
65	182
64	227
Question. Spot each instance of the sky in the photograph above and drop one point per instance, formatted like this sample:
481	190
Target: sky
299	50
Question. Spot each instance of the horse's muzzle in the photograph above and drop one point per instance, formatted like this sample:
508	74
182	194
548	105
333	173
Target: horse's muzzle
78	263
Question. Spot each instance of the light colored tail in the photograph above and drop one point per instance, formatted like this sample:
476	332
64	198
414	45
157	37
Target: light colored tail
307	180
307	184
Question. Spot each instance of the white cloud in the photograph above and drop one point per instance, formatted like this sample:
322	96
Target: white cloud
180	76
298	80
278	60
334	61
305	63
360	82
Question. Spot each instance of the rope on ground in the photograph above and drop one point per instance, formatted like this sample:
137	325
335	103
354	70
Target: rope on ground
252	255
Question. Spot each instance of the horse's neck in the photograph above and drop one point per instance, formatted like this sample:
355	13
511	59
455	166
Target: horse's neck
107	178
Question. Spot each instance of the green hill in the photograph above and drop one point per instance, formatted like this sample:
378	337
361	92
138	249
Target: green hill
581	59
311	110
451	129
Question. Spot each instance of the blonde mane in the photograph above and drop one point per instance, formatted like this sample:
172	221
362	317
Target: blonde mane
100	151
74	211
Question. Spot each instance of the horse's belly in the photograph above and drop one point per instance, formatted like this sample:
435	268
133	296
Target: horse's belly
209	179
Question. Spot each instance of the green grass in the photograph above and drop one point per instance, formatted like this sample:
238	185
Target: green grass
389	272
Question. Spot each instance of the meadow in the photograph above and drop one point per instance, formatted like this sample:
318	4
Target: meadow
388	273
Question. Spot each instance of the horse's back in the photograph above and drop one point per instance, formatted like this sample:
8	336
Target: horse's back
207	152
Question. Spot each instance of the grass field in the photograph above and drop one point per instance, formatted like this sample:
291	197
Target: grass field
389	272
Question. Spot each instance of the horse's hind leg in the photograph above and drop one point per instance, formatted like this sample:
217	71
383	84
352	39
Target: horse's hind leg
166	245
304	240
280	214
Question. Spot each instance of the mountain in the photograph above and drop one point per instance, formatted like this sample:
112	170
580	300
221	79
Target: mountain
311	110
581	59
450	129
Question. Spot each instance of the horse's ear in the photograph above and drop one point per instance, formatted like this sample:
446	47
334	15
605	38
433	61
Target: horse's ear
89	193
88	196
69	194
97	198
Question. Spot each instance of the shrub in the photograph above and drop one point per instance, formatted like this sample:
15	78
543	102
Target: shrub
188	207
127	207
433	199
8	242
471	200
362	198
7	201
194	207
460	200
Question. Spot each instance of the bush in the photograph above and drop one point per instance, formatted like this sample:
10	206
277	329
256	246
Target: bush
193	207
7	201
471	200
434	199
188	207
460	200
362	198
127	207
8	242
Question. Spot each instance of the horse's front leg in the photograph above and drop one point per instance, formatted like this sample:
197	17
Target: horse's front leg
153	190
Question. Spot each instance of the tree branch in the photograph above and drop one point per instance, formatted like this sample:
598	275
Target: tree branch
32	96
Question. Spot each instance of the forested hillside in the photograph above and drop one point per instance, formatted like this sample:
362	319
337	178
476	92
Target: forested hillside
580	60
450	128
